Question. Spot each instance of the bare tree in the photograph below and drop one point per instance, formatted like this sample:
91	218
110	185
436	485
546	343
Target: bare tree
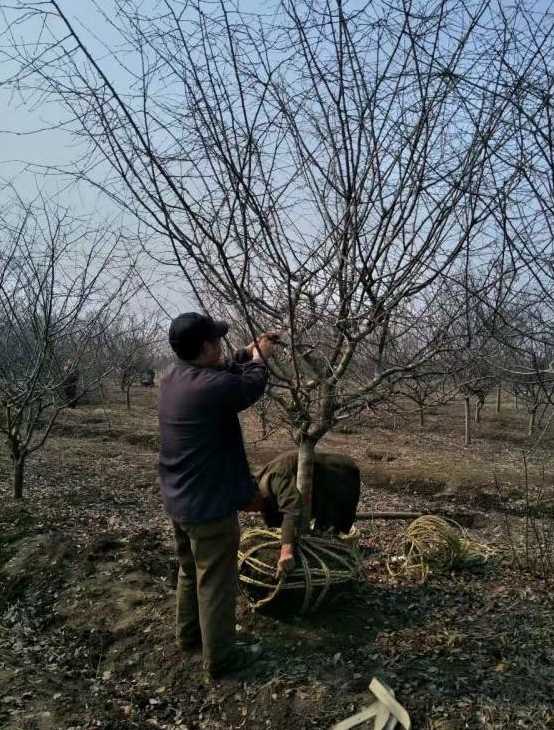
474	382
430	384
131	347
491	323
426	388
532	378
522	355
320	169
61	286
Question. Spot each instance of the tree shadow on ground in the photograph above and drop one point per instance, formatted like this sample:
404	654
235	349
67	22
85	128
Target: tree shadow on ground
453	638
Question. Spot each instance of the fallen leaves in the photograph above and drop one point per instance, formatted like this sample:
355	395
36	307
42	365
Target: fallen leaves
91	620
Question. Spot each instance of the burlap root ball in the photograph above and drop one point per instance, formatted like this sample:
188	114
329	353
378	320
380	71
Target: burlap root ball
324	564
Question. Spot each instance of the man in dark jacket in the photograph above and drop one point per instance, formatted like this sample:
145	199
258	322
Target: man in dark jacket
335	496
205	480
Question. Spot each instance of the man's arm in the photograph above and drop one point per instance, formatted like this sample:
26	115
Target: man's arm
246	382
239	357
242	387
263	345
290	506
289	503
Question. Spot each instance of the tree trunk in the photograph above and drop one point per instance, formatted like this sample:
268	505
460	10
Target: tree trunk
18	476
498	398
542	413
421	416
305	479
128	397
467	439
478	407
531	427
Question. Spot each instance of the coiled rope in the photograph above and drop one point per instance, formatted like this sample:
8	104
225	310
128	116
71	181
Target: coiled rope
433	544
321	562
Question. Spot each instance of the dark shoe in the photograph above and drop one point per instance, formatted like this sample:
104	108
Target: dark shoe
240	657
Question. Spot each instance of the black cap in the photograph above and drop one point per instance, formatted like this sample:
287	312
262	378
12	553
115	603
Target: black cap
189	331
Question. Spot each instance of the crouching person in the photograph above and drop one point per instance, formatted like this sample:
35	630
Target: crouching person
335	496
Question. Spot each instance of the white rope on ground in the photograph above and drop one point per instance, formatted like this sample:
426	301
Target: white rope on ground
434	544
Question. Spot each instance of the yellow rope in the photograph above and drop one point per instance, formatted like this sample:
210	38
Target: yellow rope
434	544
315	579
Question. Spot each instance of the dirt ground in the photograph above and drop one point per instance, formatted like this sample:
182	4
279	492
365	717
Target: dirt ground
87	579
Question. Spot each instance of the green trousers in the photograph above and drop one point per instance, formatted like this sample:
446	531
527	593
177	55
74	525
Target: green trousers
207	587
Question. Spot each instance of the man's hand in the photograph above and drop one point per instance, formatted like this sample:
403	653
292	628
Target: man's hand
286	563
262	347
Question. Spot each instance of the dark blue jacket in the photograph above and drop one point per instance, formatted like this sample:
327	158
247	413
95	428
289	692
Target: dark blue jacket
204	472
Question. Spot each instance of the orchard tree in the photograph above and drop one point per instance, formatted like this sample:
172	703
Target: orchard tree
61	286
426	388
530	368
319	169
131	346
430	384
